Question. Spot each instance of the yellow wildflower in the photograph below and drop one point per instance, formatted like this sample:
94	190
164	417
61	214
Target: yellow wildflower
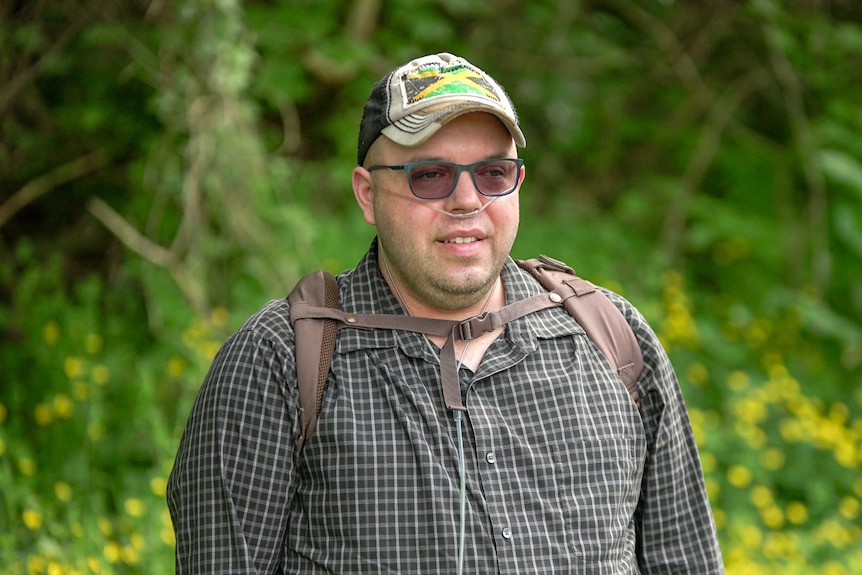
63	406
753	436
697	374
43	414
833	568
93	343
51	333
834	533
772	517
27	466
761	496
739	476
839	412
791	430
63	491
159	486
772	459
738	380
105	526
797	513
847	455
750	410
177	366
32	519
138	542
209	350
168	536
35	564
219	316
130	555
751	536
849	508
73	367
758	332
101	374
112	551
77	529
134	507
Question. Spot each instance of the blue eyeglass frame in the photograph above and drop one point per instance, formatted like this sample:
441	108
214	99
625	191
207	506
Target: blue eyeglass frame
519	163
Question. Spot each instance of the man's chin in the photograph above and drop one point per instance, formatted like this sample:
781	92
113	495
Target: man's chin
459	292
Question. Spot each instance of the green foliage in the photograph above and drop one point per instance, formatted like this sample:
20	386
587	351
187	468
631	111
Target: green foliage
167	168
88	412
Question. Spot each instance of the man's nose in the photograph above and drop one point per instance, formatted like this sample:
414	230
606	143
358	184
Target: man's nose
465	196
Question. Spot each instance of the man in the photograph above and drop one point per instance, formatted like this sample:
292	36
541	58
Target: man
545	465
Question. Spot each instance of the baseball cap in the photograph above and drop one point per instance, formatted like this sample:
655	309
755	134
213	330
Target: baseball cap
412	102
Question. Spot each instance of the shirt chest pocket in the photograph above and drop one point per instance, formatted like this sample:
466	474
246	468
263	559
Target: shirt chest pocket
598	483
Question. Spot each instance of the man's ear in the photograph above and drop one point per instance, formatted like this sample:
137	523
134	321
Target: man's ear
363	190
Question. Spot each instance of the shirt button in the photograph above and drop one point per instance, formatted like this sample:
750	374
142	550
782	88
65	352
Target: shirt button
491	457
507	533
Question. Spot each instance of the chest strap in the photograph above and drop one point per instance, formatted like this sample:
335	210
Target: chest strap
452	330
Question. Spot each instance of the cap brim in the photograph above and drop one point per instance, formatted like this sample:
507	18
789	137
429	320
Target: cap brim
416	128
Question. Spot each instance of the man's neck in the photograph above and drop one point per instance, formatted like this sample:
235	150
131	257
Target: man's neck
494	299
469	353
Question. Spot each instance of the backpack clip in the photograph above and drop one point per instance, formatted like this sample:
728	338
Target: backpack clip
479	325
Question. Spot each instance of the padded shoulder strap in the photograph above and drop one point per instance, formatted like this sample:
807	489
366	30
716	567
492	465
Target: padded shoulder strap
315	344
600	318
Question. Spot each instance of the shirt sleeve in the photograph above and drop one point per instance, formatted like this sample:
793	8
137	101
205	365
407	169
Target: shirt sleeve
230	488
676	530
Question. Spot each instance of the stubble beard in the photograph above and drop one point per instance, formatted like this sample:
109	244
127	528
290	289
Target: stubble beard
426	282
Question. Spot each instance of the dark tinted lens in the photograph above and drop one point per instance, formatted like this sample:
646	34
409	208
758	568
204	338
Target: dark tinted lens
496	177
431	181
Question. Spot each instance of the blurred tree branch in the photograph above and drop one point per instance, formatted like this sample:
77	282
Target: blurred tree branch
149	250
362	19
60	175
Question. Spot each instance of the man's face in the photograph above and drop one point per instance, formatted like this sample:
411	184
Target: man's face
442	262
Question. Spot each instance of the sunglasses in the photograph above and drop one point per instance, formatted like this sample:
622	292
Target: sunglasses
433	180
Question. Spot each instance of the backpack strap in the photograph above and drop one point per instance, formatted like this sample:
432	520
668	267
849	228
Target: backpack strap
315	318
452	330
315	344
597	314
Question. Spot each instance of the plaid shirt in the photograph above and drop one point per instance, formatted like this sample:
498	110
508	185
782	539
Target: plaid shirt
564	474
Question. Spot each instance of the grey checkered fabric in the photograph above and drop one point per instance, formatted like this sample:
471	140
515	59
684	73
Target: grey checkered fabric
564	473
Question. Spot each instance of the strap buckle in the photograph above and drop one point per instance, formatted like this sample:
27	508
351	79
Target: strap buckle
479	325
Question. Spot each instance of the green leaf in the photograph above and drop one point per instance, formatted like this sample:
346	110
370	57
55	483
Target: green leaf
843	168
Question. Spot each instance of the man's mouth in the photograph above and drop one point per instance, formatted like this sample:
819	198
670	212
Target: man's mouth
460	240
